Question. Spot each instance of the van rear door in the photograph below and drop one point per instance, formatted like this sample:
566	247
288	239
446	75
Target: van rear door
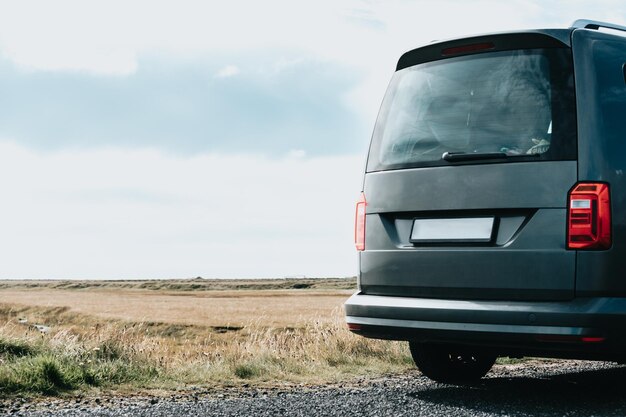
471	161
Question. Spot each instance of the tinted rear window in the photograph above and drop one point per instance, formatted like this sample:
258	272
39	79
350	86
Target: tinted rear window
516	102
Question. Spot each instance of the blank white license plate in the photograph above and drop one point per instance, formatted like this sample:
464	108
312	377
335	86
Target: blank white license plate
474	229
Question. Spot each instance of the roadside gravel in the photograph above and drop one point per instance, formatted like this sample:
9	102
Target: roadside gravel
533	388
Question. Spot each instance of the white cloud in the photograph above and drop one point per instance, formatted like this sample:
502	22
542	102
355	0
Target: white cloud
75	34
228	71
132	214
107	37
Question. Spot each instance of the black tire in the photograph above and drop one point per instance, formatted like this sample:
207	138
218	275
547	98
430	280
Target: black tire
451	364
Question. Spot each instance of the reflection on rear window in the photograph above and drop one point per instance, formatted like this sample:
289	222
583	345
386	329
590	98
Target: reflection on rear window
506	102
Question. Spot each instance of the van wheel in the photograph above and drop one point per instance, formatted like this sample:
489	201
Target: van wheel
450	364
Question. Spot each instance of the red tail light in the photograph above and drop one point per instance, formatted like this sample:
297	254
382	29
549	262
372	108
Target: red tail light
353	327
359	223
589	217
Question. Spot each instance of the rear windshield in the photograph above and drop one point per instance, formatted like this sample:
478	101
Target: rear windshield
518	103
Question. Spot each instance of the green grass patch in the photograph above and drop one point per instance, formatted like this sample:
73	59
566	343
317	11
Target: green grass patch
40	367
15	348
49	375
248	370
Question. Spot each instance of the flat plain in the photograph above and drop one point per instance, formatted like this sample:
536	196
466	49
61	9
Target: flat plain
228	307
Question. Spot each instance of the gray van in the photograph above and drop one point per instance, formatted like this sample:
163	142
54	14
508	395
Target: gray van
492	220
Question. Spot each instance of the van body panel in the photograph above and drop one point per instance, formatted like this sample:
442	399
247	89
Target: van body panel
526	260
471	187
524	328
531	264
599	60
576	313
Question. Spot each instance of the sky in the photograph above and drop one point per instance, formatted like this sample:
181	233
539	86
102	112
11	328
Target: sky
153	139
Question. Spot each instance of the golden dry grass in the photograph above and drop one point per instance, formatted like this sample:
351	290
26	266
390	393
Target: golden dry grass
276	308
182	337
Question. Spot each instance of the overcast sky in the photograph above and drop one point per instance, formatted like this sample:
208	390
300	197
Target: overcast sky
152	139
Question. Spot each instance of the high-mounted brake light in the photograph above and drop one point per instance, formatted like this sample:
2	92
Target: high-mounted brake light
359	224
554	338
589	217
475	47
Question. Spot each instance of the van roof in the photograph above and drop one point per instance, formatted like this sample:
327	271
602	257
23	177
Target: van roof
544	38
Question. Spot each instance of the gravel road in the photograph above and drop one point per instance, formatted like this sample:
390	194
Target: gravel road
535	388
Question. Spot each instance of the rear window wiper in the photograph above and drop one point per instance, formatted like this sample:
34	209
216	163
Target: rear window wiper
470	156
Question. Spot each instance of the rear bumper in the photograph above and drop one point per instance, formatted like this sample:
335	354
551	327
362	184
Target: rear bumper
593	328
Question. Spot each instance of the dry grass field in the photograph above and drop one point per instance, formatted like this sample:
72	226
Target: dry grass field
172	334
275	308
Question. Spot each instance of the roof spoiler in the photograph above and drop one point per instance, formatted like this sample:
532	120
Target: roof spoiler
593	24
